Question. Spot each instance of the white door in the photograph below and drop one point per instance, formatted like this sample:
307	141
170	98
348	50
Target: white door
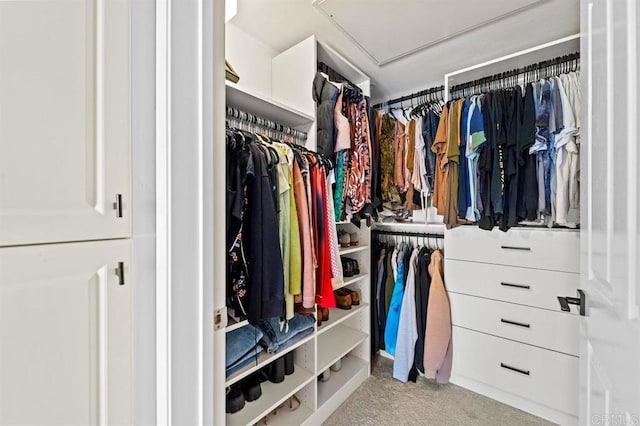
610	349
64	120
65	333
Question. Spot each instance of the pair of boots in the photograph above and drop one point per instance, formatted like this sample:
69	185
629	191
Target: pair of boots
350	267
249	389
345	298
323	315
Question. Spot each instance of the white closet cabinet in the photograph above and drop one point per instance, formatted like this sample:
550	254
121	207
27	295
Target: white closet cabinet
66	333
511	340
64	121
345	336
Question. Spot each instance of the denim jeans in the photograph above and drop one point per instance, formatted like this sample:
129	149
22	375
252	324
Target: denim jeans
274	337
249	358
240	342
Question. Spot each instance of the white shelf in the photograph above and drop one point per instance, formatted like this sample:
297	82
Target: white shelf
351	280
352	369
337	315
355	249
264	359
234	324
336	343
262	106
274	394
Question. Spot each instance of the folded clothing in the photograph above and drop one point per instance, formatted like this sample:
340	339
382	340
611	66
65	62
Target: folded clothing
276	334
249	358
241	342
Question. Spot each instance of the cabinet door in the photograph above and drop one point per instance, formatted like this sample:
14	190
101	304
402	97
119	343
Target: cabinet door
65	333
64	120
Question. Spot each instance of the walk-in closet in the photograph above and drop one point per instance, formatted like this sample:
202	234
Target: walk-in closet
376	213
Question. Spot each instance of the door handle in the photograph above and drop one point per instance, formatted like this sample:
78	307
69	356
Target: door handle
579	301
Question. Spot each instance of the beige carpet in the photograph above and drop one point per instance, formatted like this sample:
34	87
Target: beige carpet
382	400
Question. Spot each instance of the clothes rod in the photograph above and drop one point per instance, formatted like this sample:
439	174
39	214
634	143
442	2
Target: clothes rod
415	95
407	233
336	76
554	65
235	114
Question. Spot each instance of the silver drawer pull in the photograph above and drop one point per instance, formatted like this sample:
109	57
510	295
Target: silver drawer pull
517	370
515	248
519	324
523	286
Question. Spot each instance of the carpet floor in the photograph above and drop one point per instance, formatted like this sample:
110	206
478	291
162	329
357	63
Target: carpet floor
382	400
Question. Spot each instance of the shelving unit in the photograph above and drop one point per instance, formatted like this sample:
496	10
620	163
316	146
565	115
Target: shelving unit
264	359
336	343
271	109
274	394
354	249
347	332
351	280
336	316
353	367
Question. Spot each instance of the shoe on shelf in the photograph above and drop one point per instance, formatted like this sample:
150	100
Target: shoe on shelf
344	239
325	376
354	239
347	267
325	314
289	365
352	265
336	366
355	296
251	387
277	371
235	398
343	298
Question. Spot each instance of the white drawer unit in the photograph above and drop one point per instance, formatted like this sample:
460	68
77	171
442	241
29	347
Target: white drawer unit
512	342
555	250
531	287
535	326
544	377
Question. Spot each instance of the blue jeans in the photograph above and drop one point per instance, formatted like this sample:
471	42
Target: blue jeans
240	342
274	337
249	358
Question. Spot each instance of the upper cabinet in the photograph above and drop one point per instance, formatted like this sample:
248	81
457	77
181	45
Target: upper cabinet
64	121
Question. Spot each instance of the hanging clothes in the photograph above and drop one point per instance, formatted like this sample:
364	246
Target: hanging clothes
438	351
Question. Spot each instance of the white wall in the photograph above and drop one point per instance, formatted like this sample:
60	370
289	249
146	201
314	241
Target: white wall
144	204
250	58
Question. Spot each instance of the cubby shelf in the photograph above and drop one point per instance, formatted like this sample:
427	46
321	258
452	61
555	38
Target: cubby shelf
337	315
263	359
265	107
355	249
351	280
353	369
336	343
274	394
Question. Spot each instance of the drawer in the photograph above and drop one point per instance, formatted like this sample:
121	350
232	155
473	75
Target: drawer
556	250
531	287
546	377
558	331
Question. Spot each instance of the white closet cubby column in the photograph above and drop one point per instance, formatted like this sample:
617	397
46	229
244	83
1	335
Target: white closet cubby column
346	334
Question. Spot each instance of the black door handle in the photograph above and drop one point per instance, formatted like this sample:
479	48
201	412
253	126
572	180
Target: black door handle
579	301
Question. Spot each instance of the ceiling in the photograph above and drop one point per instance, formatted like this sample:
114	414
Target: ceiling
408	45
